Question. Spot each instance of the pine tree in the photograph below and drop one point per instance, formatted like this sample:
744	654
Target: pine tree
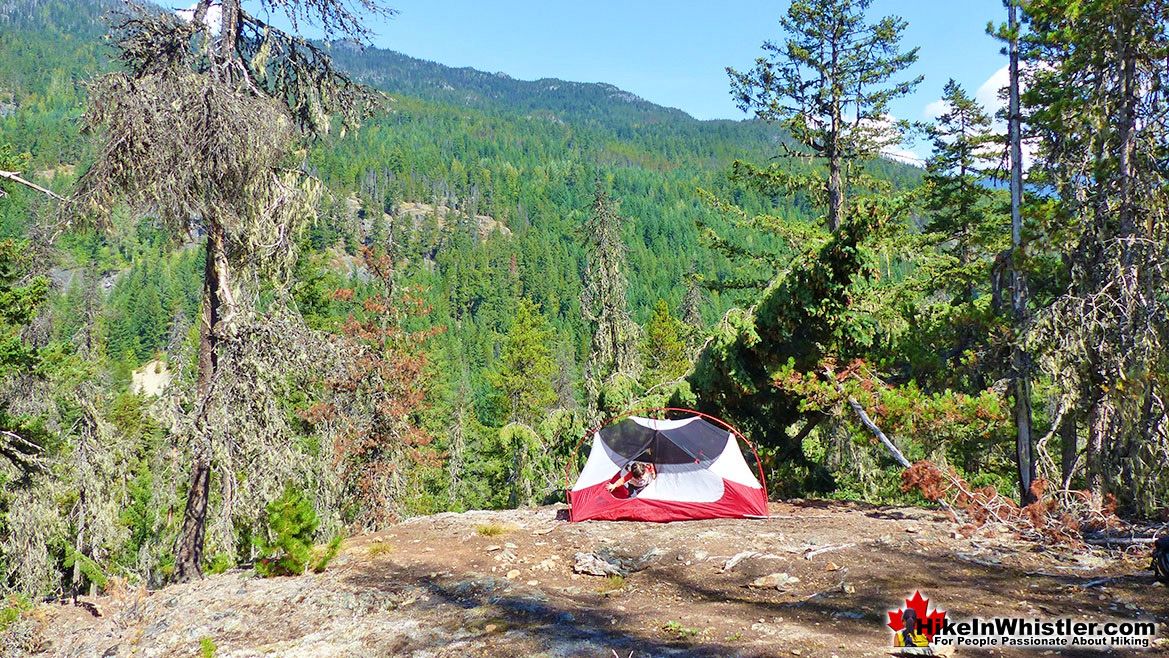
150	321
1095	102
824	295
220	107
1020	312
379	230
373	409
829	83
966	223
956	196
613	348
664	350
523	376
692	305
22	441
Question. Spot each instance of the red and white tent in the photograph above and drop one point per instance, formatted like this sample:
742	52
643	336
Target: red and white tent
701	473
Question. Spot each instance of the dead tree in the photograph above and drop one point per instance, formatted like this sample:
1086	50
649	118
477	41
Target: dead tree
199	128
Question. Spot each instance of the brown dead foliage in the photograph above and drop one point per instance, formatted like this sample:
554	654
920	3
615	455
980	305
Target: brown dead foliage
1058	517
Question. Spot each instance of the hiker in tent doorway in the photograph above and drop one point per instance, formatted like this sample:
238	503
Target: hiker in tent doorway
639	476
699	472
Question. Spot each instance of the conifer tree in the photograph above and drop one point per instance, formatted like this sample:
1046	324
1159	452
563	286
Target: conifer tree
664	350
523	376
1096	104
824	300
199	128
692	305
22	441
1020	313
613	348
956	197
829	83
965	222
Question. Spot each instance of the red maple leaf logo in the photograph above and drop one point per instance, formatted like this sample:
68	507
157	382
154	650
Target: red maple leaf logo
929	623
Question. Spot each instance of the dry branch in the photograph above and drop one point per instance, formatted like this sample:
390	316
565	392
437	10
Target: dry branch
15	177
868	422
826	549
25	454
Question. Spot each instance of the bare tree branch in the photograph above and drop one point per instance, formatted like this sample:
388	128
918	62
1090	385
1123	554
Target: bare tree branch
15	177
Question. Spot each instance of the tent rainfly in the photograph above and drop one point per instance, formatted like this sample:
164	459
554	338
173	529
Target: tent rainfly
701	473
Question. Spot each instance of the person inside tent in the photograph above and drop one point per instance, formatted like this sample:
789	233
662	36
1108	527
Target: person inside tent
639	476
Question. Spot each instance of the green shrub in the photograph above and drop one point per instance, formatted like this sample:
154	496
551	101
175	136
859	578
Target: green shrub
91	570
287	547
13	607
322	560
207	648
219	563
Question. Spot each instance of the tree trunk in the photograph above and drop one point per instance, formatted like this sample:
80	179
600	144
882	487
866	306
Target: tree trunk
1099	426
835	193
835	184
79	545
1126	127
455	463
1069	448
1020	360
189	552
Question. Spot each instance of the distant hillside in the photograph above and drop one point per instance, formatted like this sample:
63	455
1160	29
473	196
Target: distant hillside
395	72
80	17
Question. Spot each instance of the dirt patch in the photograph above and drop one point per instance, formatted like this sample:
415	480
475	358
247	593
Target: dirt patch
441	586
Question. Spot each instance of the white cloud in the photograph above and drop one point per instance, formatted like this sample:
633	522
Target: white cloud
901	154
935	109
988	94
213	19
894	146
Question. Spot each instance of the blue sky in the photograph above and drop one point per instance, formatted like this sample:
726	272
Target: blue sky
673	52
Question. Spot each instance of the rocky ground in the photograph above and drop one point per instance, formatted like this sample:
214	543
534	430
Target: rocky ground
816	579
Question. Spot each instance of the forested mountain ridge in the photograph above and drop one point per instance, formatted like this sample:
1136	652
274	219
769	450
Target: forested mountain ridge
527	153
400	73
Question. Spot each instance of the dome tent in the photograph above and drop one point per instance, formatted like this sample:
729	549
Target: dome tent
701	472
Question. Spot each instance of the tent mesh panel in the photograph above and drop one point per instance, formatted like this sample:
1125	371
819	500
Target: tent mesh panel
695	442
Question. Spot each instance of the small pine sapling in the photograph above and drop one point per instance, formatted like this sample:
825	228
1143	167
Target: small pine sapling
287	548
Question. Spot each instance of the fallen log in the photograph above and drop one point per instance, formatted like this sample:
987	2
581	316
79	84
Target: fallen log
1119	541
811	553
1134	537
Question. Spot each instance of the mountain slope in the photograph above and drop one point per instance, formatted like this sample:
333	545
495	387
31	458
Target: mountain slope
399	73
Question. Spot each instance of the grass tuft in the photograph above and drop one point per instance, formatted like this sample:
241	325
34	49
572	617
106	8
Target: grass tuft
380	548
323	556
612	584
679	632
492	529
